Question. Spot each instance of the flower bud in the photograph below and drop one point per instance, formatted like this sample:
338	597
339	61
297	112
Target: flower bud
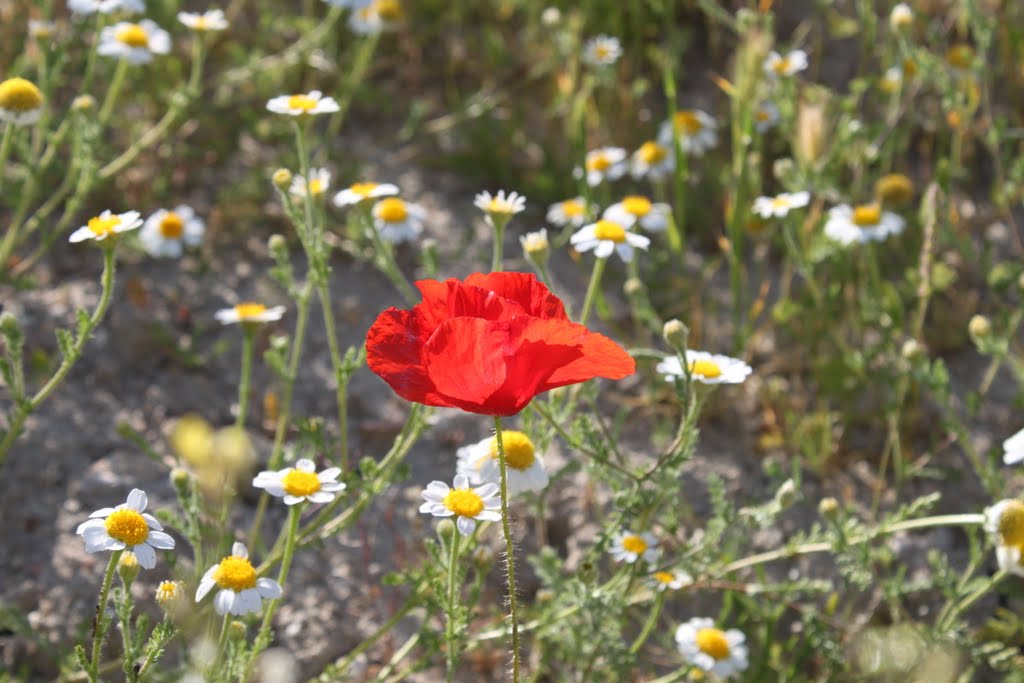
551	16
828	508
536	246
901	16
236	630
676	334
446	530
8	324
980	328
170	595
180	477
632	286
128	567
912	350
894	189
277	243
786	495
83	103
282	178
483	556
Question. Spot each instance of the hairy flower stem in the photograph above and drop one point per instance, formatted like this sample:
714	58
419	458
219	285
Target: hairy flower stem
451	650
113	91
509	551
248	342
595	282
25	408
652	621
100	626
497	257
5	149
263	635
386	258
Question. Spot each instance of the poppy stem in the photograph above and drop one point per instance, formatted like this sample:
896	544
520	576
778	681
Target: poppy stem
509	550
595	281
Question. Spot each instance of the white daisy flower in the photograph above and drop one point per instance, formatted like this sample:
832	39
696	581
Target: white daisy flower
242	592
523	465
136	43
321	181
570	212
499	203
467	504
169	595
865	223
708	368
376	17
766	116
41	30
779	206
629	547
606	236
359	192
901	16
722	653
652	161
303	105
639	210
697	131
211	20
398	220
1013	449
299	483
602	51
249	312
670	580
128	526
535	245
106	6
21	102
106	225
1004	521
166	233
775	65
605	163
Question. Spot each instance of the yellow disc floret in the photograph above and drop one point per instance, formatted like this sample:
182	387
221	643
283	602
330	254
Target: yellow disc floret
781	66
1011	523
599	162
664	577
572	208
464	502
713	642
248	310
132	35
172	226
634	544
894	188
688	123
101	227
363	189
20	95
705	368
388	10
235	573
637	205
609	230
302	103
392	210
316	187
169	592
867	215
299	483
519	451
127	526
652	153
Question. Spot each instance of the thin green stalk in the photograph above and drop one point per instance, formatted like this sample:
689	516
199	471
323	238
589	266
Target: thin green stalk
324	294
24	409
100	627
386	260
339	668
652	621
592	287
497	260
222	640
451	650
510	557
116	83
248	343
294	516
5	150
360	65
90	64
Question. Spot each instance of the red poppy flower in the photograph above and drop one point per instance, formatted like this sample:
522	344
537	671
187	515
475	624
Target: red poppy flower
487	345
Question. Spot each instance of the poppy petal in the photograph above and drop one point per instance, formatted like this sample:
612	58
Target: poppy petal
465	361
393	351
523	288
601	357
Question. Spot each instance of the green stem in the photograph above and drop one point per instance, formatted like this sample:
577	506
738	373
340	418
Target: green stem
652	621
248	342
595	281
100	628
497	256
222	640
340	374
74	353
5	150
451	650
509	551
113	91
90	65
364	57
386	261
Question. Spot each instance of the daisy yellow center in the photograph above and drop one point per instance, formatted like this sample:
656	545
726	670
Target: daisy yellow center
762	115
1011	524
18	94
171	226
895	188
519	452
235	573
781	66
664	577
636	205
316	187
499	206
302	102
780	203
867	215
572	208
363	189
599	162
101	226
249	310
634	544
127	526
299	483
688	123
602	51
132	35
464	502
652	153
168	592
959	56
705	368
610	231
712	641
392	210
200	24
388	10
